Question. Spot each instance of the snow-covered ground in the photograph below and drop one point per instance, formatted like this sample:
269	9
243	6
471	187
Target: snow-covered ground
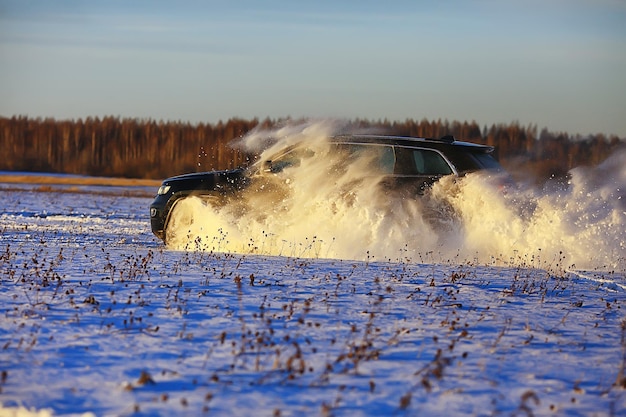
98	317
315	296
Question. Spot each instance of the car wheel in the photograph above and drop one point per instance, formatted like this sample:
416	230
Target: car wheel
184	226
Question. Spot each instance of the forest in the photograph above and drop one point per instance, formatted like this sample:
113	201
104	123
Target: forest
145	148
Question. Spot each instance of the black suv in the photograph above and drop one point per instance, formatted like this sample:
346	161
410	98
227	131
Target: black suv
407	165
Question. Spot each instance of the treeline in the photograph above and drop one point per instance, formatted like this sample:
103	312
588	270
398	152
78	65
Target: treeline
138	148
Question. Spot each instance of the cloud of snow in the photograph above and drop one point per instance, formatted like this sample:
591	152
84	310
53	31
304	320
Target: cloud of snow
327	208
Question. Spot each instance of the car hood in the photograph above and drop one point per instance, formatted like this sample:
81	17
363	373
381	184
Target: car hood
203	175
210	180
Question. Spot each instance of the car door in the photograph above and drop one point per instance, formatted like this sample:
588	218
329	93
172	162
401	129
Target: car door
416	169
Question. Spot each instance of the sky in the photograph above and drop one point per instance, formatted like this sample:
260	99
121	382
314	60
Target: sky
557	64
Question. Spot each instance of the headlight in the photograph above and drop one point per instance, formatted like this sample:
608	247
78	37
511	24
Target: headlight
163	189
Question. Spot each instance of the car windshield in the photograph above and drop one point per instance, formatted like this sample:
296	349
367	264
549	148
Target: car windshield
290	158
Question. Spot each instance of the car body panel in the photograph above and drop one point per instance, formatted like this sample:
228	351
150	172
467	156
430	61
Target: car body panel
186	185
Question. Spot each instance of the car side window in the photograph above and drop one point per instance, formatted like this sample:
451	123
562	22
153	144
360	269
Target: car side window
381	157
420	162
387	159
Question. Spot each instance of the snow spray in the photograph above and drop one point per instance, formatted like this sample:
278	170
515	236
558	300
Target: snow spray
325	208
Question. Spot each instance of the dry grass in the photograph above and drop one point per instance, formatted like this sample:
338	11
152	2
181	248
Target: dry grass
75	180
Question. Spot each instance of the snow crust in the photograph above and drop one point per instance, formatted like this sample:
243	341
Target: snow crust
98	317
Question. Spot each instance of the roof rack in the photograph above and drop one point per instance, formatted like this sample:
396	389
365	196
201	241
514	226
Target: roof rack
446	139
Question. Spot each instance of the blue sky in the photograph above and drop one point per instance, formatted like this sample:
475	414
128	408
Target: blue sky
555	63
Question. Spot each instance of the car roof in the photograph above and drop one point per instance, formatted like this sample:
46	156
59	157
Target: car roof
445	142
